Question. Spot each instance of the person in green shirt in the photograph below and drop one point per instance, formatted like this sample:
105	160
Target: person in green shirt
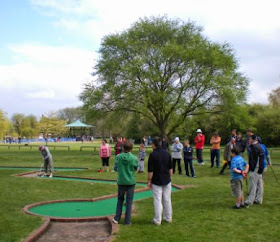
127	164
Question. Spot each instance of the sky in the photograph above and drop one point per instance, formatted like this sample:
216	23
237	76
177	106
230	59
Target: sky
48	48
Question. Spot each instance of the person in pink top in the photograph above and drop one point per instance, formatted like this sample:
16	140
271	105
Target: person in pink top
105	154
199	146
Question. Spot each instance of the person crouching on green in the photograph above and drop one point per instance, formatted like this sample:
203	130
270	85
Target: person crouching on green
127	164
237	173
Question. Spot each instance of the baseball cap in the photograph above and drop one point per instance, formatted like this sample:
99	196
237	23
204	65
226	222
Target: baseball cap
176	139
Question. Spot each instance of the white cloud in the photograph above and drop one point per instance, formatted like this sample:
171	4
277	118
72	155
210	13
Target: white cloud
41	94
80	7
46	72
69	25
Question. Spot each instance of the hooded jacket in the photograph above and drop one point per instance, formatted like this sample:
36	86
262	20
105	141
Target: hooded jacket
127	163
256	158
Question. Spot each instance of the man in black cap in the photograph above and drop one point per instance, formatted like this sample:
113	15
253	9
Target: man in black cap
256	166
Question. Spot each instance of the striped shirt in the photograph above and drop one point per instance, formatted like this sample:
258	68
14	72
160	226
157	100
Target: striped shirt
142	154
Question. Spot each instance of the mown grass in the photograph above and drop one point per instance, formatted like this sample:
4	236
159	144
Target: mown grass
200	213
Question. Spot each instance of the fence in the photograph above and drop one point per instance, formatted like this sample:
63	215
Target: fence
35	146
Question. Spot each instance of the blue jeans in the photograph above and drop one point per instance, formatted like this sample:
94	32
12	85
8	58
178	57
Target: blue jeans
115	165
129	190
215	153
188	162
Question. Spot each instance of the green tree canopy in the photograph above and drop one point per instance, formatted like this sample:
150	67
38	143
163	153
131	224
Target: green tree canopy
26	126
17	120
165	70
6	126
52	126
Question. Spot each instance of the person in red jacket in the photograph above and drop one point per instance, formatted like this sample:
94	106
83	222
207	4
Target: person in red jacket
199	146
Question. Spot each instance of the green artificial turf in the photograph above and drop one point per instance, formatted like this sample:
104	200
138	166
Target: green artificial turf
87	180
78	209
200	213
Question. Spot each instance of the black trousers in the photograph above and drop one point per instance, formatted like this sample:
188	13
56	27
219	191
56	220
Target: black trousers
224	167
199	155
179	165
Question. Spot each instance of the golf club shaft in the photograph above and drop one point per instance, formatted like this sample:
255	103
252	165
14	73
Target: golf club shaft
274	174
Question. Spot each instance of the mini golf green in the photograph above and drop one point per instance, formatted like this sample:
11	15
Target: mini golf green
81	209
65	178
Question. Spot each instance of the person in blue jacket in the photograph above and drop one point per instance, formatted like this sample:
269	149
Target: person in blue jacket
238	171
266	160
188	159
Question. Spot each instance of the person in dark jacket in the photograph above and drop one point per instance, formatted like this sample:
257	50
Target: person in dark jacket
227	154
118	149
256	166
249	134
164	143
159	179
188	159
240	143
233	135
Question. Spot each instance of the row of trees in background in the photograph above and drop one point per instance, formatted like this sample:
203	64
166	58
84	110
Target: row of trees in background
28	126
262	119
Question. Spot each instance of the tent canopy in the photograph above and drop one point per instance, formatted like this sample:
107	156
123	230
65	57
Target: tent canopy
78	124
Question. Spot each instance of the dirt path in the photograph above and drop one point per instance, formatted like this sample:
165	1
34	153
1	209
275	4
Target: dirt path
77	232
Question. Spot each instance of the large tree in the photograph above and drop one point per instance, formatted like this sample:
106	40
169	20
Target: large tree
52	126
18	120
165	70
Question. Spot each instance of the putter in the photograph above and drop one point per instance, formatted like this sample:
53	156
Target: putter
274	174
40	171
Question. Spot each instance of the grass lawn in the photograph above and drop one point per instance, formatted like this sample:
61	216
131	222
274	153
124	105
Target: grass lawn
200	213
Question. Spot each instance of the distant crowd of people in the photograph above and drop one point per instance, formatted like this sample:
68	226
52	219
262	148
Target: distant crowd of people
12	140
162	164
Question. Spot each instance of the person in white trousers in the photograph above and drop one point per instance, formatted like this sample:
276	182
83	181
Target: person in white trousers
159	179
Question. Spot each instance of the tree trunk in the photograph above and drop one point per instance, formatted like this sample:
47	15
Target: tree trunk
162	128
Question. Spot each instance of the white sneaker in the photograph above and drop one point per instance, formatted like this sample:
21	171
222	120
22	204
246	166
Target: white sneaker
51	175
202	163
115	221
113	171
155	223
168	220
